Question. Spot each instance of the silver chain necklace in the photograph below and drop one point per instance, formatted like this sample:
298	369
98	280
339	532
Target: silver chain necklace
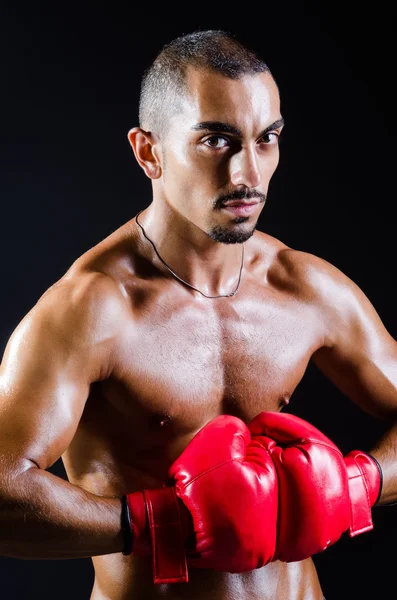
180	278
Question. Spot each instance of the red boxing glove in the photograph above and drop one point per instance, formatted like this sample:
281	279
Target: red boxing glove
321	493
224	490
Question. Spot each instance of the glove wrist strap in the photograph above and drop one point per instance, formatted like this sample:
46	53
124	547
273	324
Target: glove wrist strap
365	482
167	536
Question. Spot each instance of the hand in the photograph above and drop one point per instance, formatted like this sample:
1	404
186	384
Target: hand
219	510
321	493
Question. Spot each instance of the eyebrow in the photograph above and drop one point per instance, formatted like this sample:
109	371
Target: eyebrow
220	127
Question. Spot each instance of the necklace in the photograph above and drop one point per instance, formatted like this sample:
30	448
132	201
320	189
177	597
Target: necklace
185	282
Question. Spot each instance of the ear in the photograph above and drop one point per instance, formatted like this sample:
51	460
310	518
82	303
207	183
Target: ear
146	150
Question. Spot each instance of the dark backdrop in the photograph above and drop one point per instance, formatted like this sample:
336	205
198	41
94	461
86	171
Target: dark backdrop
70	80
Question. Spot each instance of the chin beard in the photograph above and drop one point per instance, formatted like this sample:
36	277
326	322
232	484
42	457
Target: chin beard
231	236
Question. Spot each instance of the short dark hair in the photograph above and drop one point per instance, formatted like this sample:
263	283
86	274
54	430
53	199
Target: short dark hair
163	83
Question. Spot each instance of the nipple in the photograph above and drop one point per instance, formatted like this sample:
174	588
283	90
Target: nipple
284	400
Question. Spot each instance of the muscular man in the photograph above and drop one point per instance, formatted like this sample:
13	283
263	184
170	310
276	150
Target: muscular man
183	314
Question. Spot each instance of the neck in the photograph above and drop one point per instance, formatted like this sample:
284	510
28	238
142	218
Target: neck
210	267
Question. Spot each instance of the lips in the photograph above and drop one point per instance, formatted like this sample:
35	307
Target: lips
240	203
240	208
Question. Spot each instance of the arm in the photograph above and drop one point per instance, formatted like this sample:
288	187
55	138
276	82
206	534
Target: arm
360	357
62	345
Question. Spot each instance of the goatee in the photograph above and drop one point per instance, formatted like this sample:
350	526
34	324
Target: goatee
231	236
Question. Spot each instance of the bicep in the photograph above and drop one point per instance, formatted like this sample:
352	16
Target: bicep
43	389
62	346
361	356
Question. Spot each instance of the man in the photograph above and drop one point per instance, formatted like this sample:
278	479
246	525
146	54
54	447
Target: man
183	315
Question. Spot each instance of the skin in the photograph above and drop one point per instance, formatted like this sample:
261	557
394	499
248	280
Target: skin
119	364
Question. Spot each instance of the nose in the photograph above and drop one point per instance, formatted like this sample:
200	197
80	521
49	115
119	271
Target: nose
244	168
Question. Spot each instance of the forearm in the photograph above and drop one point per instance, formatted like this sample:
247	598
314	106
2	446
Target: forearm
385	451
44	517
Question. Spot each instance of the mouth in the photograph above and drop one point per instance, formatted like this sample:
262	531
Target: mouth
241	208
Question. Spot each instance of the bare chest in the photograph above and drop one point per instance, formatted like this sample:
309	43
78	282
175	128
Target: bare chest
180	365
192	363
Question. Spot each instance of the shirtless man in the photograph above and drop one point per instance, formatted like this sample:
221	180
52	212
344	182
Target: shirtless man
181	315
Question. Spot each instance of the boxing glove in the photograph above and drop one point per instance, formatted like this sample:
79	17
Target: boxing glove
217	510
321	493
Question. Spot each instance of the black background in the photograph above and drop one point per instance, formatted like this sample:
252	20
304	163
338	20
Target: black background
70	77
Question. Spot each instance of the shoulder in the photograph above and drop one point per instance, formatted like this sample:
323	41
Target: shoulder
76	322
308	275
296	269
92	289
81	317
83	310
309	278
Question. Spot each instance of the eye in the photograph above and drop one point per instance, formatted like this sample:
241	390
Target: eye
213	141
270	138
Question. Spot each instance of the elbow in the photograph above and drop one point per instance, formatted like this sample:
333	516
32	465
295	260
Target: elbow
12	488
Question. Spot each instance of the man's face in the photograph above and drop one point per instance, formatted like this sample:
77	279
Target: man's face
222	148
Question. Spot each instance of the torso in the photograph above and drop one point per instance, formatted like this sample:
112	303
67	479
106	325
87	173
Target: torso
184	359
